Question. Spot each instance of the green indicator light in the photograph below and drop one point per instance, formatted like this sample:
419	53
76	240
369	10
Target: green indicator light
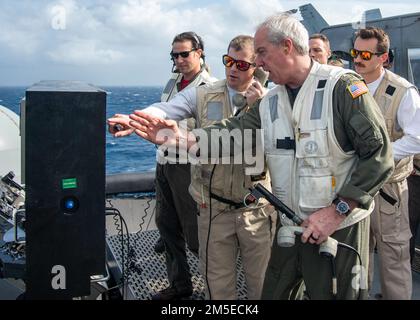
69	183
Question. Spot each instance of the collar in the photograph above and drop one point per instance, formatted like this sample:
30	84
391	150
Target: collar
373	86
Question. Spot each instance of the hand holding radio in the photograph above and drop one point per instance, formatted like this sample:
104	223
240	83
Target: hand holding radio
255	91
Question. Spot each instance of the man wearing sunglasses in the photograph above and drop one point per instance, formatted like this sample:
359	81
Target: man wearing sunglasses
328	155
176	211
189	65
399	102
225	224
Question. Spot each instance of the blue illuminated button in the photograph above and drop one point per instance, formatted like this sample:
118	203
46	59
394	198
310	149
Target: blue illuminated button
69	204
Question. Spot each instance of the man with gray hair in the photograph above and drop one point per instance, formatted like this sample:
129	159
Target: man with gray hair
342	157
328	154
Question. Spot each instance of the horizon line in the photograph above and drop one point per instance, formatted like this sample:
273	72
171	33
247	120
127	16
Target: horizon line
96	85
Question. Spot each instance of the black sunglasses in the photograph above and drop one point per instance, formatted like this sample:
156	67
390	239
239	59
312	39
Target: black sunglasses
364	54
183	54
241	65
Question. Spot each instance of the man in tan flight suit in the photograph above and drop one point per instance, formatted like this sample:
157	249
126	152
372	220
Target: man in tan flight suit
400	104
176	211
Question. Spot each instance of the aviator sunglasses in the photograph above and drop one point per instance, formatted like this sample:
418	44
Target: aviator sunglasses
364	54
241	65
183	54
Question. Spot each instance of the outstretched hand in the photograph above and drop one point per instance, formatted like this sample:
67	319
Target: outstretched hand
119	125
156	130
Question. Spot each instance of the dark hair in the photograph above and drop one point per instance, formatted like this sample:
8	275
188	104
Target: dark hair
322	37
197	42
240	42
377	33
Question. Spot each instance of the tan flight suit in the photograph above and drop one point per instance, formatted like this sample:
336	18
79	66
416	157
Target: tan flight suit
176	211
390	228
225	226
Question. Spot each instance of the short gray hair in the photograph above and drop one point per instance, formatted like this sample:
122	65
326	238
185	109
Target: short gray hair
282	26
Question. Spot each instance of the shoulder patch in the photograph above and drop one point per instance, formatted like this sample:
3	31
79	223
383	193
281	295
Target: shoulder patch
357	89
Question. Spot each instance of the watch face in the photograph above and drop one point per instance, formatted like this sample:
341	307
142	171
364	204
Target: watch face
342	207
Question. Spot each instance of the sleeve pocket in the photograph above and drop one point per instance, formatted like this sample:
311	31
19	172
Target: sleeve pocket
361	125
366	138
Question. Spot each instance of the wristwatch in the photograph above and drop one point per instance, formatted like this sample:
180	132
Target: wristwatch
342	207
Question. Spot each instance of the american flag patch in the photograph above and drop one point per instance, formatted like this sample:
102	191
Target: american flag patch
357	89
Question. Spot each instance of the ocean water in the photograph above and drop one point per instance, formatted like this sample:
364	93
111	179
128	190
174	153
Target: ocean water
123	155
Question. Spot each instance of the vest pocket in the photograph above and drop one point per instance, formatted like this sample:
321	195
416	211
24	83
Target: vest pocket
312	143
386	207
393	219
315	192
215	111
281	166
315	178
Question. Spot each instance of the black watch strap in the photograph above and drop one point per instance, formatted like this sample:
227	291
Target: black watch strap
341	206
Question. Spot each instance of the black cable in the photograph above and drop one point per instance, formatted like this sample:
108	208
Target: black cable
124	224
151	216
127	265
334	278
148	205
213	218
143	217
135	264
208	233
120	233
129	255
346	246
131	263
119	228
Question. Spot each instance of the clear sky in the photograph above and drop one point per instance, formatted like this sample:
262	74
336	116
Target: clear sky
127	42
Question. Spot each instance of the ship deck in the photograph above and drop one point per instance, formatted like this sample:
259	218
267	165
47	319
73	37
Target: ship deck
145	273
153	277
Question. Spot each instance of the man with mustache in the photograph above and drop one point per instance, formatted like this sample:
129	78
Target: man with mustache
399	102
